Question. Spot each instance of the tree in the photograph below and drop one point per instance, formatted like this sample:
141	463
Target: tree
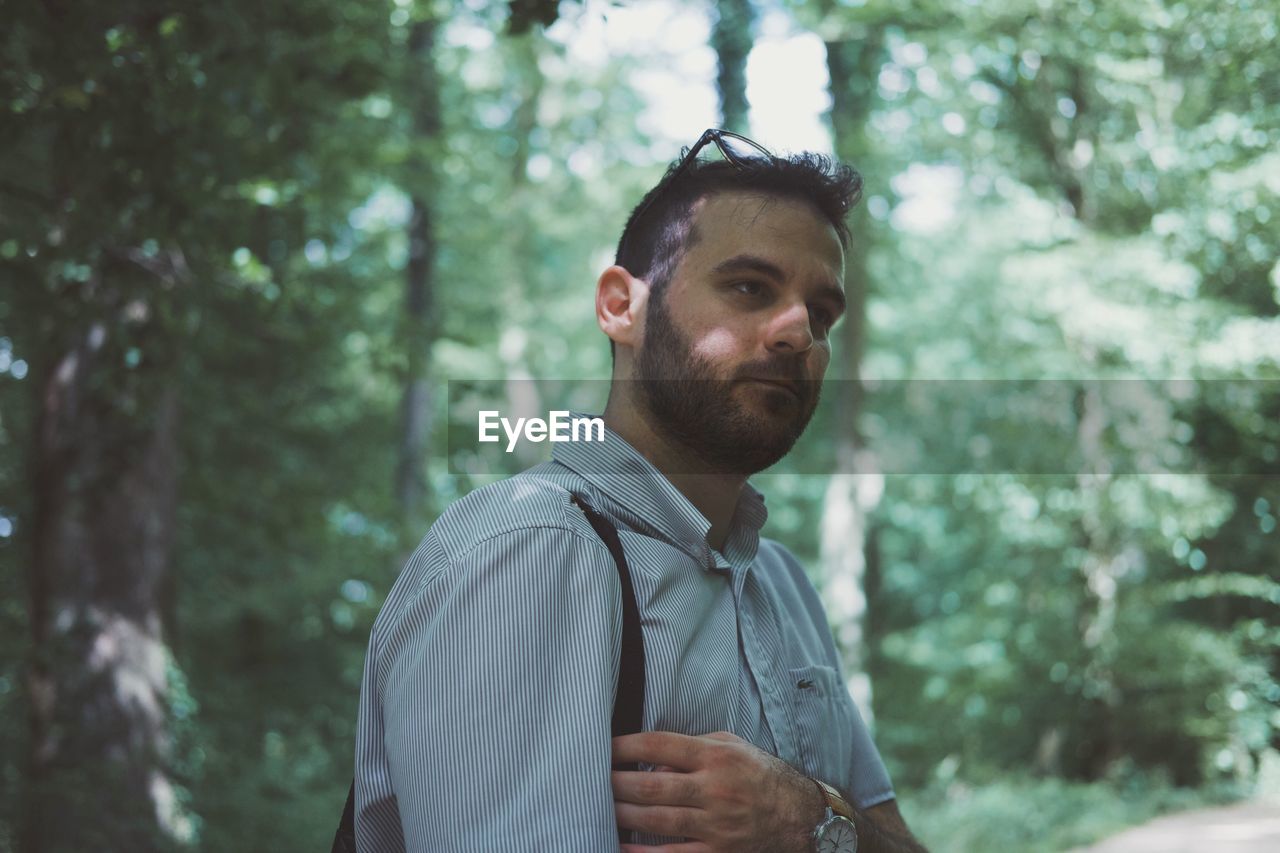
853	62
147	142
732	38
1069	260
419	326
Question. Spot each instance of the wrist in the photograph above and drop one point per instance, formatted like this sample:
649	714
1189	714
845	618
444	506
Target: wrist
836	832
815	799
807	811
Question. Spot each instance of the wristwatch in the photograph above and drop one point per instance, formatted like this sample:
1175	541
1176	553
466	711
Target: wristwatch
836	832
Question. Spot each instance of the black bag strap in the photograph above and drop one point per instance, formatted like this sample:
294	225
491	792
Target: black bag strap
344	840
628	703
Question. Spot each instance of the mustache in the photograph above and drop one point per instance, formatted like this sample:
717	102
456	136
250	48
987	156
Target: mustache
776	370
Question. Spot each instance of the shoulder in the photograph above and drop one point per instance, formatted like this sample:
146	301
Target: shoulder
520	504
522	533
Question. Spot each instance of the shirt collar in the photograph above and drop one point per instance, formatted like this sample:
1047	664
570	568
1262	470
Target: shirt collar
647	499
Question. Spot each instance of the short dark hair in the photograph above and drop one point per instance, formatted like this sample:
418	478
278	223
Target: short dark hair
658	232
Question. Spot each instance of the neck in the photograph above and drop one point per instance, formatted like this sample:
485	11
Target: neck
715	493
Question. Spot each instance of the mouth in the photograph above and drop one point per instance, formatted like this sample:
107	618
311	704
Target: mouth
791	388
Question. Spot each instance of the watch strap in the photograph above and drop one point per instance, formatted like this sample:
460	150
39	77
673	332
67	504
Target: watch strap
835	801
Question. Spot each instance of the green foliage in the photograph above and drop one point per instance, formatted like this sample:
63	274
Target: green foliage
1107	184
1042	815
1098	225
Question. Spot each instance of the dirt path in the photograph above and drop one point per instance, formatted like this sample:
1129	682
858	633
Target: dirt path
1252	827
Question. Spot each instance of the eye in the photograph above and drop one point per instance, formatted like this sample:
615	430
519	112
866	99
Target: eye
748	287
824	318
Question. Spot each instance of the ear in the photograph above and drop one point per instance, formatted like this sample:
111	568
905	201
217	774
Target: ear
620	302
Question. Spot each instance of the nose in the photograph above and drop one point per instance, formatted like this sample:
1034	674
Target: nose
789	330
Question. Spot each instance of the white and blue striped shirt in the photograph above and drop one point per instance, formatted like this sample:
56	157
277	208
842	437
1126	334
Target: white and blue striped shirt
488	688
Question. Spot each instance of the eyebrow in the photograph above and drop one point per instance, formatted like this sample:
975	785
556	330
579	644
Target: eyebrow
757	264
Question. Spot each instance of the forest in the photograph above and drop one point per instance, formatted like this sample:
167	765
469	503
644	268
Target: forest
259	262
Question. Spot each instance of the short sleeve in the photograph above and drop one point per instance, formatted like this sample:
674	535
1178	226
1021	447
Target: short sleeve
496	692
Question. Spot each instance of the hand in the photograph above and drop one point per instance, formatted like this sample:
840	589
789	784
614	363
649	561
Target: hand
718	791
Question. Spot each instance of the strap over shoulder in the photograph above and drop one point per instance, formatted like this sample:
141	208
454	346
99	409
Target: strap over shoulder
628	706
628	703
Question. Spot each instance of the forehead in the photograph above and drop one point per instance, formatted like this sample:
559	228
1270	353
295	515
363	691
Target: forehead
791	232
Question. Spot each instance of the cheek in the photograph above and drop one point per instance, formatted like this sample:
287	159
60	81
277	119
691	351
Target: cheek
719	344
819	358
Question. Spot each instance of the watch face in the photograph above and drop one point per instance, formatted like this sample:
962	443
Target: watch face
837	835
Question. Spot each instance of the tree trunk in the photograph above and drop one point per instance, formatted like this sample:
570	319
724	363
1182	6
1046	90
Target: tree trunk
521	293
420	326
104	477
1106	559
416	399
854	491
731	37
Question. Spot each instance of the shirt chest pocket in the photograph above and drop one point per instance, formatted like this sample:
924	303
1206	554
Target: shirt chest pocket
825	721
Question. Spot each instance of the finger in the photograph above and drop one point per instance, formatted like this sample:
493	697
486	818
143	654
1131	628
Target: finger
679	821
674	750
678	847
670	789
727	737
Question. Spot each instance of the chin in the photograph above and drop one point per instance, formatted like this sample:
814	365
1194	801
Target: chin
772	399
756	440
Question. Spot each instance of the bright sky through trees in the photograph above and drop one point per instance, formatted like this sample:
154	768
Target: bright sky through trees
786	75
787	86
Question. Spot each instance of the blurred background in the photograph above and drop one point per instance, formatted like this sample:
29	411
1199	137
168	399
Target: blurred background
245	245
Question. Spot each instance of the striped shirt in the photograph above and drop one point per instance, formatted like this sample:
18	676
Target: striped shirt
489	682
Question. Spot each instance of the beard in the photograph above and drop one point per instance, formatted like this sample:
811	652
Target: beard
708	416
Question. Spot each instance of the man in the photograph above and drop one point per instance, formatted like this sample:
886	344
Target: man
492	668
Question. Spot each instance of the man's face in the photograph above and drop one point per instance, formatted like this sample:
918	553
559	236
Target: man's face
735	347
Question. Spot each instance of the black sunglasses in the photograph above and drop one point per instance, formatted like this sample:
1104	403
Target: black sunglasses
736	149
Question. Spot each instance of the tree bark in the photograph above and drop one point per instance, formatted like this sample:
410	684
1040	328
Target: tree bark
732	38
523	396
419	327
855	489
1106	559
104	478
